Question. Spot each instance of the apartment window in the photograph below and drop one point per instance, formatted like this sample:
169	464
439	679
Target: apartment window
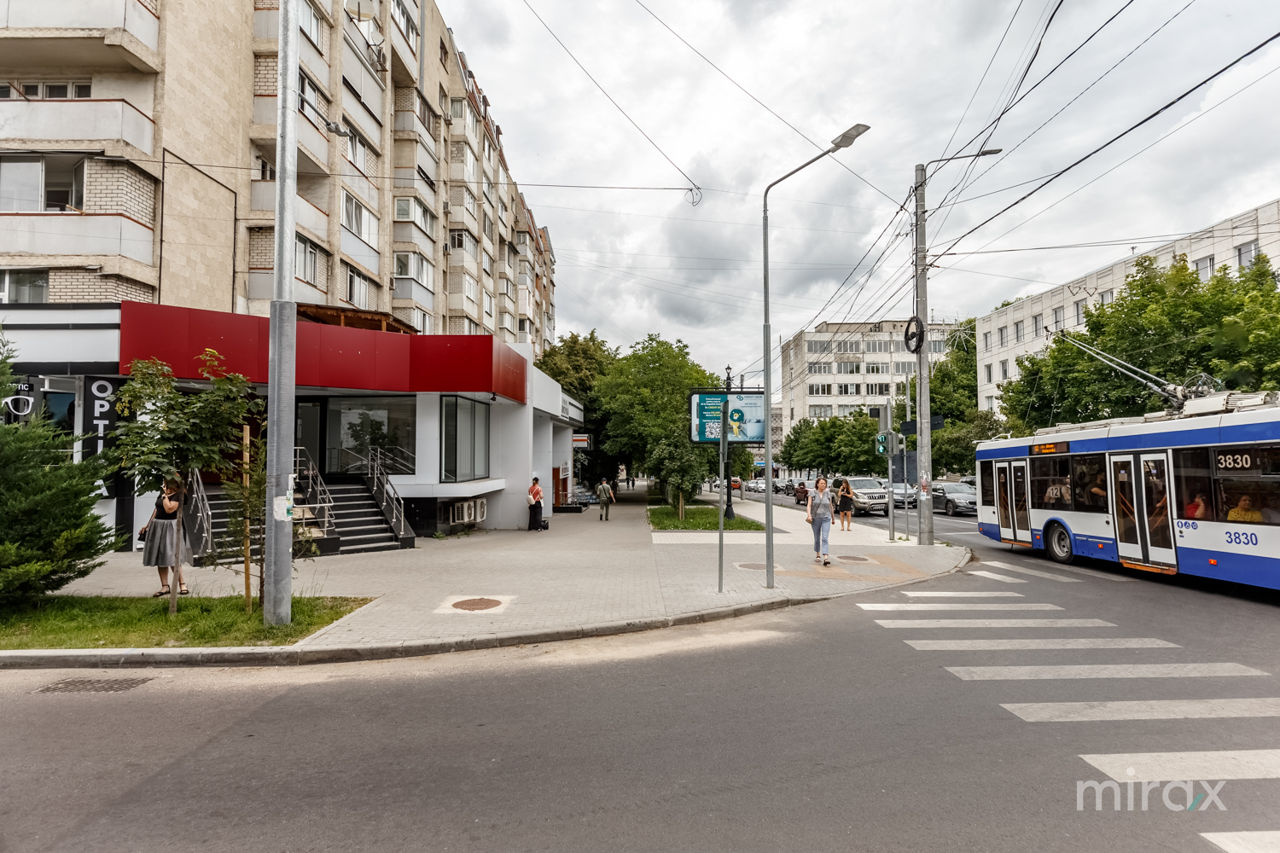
306	259
403	17
991	404
1059	317
1037	325
819	367
359	152
410	209
51	183
1081	304
444	53
937	346
470	287
464	439
852	389
1018	330
819	389
462	239
488	305
1204	267
876	367
1004	369
311	103
986	340
879	389
906	367
848	411
309	23
819	412
848	367
59	90
986	369
458	108
1106	297
486	263
817	346
1003	334
357	219
469	199
1246	253
359	289
879	346
415	266
849	346
23	286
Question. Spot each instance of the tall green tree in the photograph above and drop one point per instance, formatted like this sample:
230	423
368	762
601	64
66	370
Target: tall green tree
1167	322
49	533
644	396
577	362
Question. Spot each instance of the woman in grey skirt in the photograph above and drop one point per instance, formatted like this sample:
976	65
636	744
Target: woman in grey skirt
162	546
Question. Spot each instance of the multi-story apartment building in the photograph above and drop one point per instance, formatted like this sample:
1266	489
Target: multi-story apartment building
1023	326
137	165
839	369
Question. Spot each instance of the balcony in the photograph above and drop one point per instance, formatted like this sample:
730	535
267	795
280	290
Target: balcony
407	121
405	41
312	141
266	28
360	251
262	284
113	34
75	234
262	197
90	121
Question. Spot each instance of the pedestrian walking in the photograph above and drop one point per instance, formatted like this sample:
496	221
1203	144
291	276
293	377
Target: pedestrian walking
819	512
605	494
535	505
163	545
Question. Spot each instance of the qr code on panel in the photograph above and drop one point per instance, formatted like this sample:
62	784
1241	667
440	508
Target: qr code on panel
713	429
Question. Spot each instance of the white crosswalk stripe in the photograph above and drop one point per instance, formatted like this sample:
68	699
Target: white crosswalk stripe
1033	572
912	594
1035	644
1244	842
956	605
996	577
994	623
1127	670
1106	576
1174	766
1148	709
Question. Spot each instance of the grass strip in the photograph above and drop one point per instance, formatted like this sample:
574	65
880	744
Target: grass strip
105	622
696	518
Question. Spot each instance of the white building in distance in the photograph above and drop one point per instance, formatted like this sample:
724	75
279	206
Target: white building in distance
1020	327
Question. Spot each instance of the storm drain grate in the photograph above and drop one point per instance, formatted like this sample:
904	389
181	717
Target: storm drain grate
93	685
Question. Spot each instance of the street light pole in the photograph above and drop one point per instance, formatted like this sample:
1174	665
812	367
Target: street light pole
924	429
844	140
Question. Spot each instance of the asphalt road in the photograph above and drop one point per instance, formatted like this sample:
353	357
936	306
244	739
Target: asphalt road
819	728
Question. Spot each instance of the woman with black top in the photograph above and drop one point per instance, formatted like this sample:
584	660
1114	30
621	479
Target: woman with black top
162	546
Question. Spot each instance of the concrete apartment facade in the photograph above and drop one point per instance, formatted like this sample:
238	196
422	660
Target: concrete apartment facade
1019	328
838	369
137	165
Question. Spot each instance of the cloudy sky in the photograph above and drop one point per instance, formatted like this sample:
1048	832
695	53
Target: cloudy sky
733	94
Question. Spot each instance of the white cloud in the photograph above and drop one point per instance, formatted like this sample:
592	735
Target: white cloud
635	261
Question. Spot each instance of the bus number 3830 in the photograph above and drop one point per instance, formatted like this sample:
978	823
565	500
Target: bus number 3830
1236	537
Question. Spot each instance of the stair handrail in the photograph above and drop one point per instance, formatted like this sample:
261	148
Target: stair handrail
385	493
197	518
315	493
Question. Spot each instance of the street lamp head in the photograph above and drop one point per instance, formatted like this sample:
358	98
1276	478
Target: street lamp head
846	139
985	151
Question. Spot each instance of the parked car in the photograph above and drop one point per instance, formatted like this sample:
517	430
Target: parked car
868	496
972	481
736	483
904	495
801	492
953	498
789	487
755	486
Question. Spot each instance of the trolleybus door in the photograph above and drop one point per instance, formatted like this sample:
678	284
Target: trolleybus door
1139	491
1012	501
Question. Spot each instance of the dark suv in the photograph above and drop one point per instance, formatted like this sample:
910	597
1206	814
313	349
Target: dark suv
801	491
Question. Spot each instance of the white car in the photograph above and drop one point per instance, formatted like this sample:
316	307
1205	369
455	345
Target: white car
754	486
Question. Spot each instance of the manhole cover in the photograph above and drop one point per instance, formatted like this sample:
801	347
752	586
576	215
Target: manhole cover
854	559
477	604
93	685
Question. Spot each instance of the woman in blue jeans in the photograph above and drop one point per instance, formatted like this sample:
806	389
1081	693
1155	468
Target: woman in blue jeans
819	513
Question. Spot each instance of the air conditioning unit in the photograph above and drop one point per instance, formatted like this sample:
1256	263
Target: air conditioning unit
378	57
469	510
482	509
447	248
457	513
446	208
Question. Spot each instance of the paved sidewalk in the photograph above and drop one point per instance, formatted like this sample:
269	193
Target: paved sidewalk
583	577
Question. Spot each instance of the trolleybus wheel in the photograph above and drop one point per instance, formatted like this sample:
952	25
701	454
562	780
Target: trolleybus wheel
1059	542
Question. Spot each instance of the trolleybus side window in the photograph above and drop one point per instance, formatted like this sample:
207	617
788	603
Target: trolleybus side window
987	475
1051	482
1089	482
1194	478
1248	481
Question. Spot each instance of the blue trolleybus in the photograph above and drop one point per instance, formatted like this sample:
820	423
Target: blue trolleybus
1196	493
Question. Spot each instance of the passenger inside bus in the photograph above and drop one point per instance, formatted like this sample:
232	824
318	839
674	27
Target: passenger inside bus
1098	491
1244	511
1198	508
